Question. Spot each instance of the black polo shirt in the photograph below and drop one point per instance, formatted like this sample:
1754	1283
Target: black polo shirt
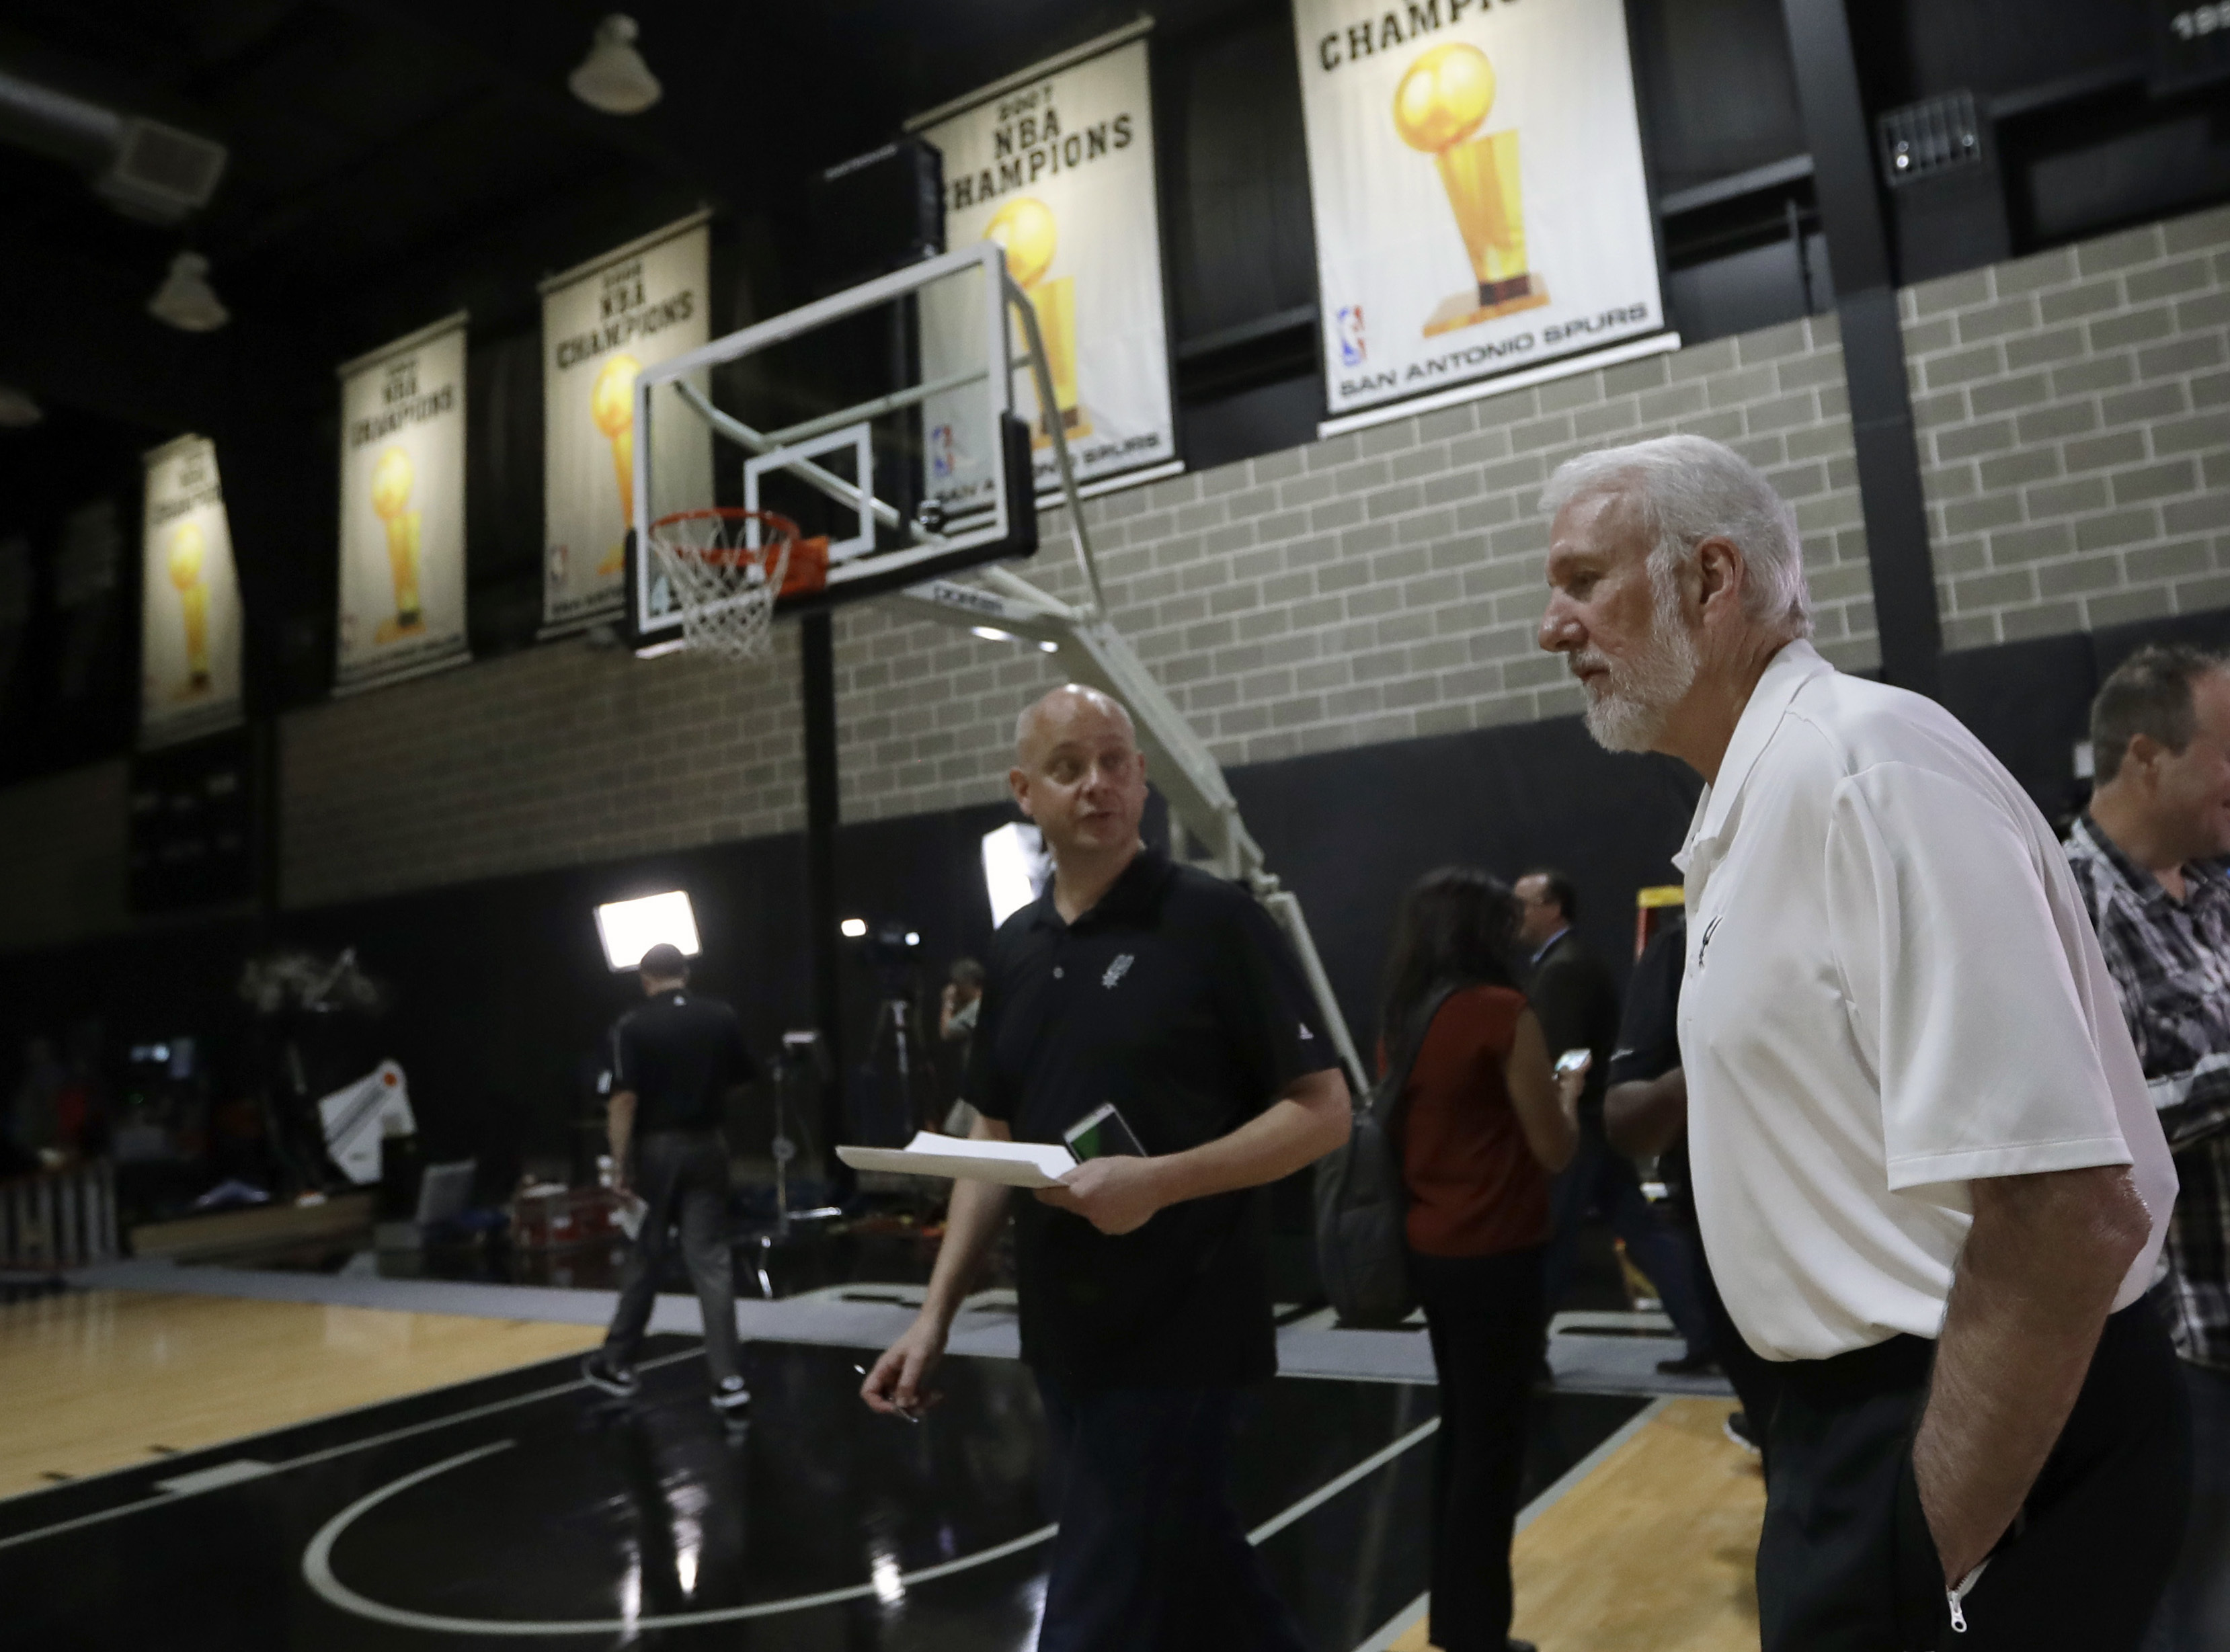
1177	999
680	1054
1649	1035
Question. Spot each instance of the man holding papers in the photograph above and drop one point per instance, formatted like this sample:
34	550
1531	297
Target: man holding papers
1145	1307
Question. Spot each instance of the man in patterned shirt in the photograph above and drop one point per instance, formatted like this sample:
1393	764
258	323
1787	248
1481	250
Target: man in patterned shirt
2147	857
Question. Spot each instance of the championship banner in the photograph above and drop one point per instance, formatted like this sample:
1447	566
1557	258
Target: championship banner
602	324
403	509
189	623
1479	198
1056	165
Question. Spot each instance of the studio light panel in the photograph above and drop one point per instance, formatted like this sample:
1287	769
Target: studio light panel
629	928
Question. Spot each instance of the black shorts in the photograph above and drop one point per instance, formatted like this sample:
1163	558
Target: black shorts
1845	1562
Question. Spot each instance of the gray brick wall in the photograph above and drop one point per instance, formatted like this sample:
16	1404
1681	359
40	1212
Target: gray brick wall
2074	415
62	857
2070	410
1380	586
553	756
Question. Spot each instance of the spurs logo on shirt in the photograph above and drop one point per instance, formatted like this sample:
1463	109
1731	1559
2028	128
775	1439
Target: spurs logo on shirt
1116	970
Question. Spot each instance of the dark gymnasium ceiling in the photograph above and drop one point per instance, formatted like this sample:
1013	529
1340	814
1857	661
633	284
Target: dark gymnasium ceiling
394	160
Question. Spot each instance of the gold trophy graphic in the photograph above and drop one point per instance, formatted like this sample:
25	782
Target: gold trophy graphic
390	497
188	548
611	404
1024	227
1439	108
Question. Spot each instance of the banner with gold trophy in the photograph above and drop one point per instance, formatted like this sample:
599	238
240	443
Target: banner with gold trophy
1056	165
189	621
1477	176
403	509
602	324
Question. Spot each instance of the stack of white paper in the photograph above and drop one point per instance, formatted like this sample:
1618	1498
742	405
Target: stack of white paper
1013	1164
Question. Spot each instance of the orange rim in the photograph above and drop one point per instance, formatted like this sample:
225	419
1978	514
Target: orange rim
779	531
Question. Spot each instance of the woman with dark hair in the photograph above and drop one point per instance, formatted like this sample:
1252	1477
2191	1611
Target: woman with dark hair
1484	1123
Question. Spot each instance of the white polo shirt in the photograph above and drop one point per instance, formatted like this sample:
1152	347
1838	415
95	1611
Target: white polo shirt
1893	988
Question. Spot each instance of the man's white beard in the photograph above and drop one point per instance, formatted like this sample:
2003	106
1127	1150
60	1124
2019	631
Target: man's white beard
1628	706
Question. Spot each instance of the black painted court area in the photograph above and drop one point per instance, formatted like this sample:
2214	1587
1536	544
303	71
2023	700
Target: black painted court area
530	1507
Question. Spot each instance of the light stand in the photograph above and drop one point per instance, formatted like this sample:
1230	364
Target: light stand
800	1073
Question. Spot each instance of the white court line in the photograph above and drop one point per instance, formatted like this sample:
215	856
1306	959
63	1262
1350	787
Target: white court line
234	1473
1332	1488
317	1569
1392	1628
171	1497
318	1572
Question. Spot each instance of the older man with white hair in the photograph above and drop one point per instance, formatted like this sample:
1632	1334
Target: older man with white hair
1928	1175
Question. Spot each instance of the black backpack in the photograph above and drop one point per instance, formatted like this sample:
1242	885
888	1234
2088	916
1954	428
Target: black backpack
1363	1204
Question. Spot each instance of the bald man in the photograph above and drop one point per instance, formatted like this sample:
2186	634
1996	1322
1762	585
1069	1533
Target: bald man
1145	1300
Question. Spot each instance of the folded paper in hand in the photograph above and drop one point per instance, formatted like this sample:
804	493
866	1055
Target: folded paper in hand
1014	1164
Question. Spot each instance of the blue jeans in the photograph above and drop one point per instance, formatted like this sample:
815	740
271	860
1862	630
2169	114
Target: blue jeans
2195	1614
1151	1556
1601	1177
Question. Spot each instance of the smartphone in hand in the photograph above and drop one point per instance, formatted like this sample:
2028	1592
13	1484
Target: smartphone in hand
1101	1134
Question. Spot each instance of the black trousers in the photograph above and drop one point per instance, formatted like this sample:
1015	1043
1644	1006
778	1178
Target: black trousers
682	1176
1151	1555
1488	1317
1846	1564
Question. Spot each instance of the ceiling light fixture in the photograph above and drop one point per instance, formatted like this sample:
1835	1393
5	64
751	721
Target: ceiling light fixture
613	77
186	300
17	410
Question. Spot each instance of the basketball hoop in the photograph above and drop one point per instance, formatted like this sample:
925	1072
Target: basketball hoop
727	566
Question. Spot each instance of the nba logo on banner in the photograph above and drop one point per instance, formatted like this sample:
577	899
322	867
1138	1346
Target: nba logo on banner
1351	350
941	456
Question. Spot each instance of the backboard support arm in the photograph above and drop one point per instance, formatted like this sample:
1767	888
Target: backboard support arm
1096	653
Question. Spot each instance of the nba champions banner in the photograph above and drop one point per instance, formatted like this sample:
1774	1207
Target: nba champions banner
188	600
602	324
1056	165
403	508
1480	204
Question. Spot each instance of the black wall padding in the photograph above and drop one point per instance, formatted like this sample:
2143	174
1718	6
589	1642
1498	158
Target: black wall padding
501	992
1349	832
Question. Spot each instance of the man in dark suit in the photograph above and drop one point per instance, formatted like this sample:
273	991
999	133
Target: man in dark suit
1571	993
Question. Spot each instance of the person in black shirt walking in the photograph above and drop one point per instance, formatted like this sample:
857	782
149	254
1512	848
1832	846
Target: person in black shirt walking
1646	1115
1571	992
674	1059
1144	1292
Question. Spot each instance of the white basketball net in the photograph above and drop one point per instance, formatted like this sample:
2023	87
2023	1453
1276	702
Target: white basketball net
725	585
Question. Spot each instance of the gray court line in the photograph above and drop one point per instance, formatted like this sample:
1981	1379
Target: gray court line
330	1452
1332	1488
318	1568
1588	1464
1391	1629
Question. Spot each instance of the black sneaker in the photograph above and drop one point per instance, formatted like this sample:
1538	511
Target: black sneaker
1689	1365
731	1399
1738	1430
600	1372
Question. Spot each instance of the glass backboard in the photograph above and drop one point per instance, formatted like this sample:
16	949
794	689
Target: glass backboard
883	418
